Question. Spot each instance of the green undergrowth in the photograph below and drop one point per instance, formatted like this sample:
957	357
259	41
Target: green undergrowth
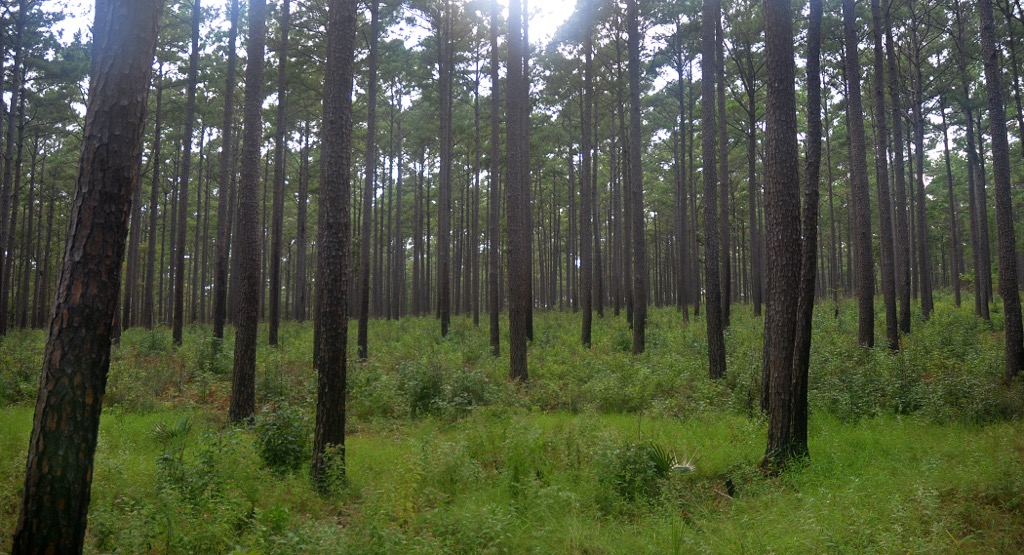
600	452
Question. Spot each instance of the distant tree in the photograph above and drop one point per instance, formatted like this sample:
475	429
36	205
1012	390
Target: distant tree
225	200
243	379
865	275
493	200
183	178
277	220
330	336
58	478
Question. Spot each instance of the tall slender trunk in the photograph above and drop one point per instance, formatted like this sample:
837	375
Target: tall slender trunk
493	198
225	200
885	231
277	221
713	291
901	244
183	178
243	378
954	226
1004	204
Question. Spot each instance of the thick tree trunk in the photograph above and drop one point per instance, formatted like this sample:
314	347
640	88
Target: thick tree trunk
59	470
518	194
636	187
782	227
1004	204
330	335
243	378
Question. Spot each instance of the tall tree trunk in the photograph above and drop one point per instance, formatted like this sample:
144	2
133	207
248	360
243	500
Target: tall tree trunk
713	291
901	243
368	188
55	499
517	194
724	241
243	378
225	200
636	187
493	198
1004	204
7	210
277	220
330	337
586	211
445	62
183	178
300	233
882	184
782	227
954	226
859	183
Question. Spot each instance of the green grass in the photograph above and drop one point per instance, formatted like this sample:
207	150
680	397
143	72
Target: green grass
916	452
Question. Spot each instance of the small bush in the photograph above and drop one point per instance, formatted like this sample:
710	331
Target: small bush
282	439
636	471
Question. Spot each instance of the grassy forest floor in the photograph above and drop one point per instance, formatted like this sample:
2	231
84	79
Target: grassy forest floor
922	451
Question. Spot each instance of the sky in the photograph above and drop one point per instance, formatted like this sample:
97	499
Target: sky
545	15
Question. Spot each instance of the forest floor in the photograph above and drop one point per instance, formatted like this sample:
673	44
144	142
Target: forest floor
920	451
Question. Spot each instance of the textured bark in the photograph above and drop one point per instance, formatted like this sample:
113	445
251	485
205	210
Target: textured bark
805	304
183	179
225	200
865	278
716	339
7	210
59	470
782	231
724	241
882	185
493	198
586	210
368	188
517	195
330	336
901	245
243	378
917	45
636	187
277	220
1004	206
445	66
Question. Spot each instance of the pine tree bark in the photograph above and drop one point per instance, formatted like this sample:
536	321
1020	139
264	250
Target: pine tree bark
183	179
7	210
865	278
724	240
586	211
1004	203
277	220
368	188
885	231
517	195
902	239
58	479
493	197
782	231
330	337
713	290
225	199
636	174
243	377
445	66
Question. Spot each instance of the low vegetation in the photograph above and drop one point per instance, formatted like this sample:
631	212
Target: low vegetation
601	452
